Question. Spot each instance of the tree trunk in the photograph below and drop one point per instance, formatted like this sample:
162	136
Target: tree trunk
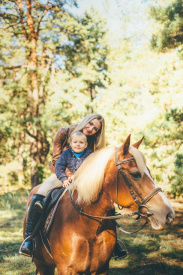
33	79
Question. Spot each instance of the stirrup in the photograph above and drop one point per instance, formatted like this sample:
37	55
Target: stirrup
121	253
24	253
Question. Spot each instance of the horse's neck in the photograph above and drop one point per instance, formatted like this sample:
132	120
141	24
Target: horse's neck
100	207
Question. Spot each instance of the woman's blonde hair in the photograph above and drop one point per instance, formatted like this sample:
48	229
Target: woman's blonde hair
99	137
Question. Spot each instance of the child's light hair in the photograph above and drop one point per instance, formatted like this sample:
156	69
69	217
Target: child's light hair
77	133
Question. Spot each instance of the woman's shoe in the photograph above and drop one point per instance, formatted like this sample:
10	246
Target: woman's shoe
118	252
27	248
32	219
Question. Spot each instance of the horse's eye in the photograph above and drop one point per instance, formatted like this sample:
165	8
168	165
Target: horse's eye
136	175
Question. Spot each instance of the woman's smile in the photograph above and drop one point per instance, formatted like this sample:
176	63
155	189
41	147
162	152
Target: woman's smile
92	127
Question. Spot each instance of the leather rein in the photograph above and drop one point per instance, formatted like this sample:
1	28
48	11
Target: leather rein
139	200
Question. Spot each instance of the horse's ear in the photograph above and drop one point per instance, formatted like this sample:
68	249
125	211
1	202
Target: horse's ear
125	147
137	144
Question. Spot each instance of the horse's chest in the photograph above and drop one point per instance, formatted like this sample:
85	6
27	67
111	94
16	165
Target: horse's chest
92	254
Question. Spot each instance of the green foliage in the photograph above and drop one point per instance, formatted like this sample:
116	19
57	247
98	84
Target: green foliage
176	115
164	136
170	35
13	178
176	184
41	173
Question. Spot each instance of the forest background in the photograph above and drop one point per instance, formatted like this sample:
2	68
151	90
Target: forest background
58	64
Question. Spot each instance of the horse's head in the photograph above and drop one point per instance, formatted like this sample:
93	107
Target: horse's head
136	189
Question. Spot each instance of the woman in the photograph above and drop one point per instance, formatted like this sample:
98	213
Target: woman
93	126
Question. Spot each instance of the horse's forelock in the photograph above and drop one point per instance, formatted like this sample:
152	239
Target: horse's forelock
139	158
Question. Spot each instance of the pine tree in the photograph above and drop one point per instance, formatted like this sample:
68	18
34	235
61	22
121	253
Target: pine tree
37	42
170	32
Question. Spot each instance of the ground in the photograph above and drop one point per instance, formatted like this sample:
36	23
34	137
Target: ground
150	252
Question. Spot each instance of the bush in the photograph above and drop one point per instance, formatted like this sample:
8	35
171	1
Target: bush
177	186
13	178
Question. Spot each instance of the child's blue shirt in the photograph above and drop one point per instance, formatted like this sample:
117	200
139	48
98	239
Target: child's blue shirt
71	160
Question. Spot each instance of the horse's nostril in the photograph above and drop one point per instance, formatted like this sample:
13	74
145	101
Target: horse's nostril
169	218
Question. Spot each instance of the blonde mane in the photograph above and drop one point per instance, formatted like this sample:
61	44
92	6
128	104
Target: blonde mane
89	177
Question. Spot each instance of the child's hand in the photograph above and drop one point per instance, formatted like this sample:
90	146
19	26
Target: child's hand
66	183
70	178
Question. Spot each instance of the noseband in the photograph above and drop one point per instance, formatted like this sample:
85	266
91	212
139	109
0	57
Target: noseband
133	191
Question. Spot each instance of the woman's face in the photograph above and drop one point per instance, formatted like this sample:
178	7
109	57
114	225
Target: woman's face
92	127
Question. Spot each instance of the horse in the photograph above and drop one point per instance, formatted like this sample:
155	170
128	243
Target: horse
81	239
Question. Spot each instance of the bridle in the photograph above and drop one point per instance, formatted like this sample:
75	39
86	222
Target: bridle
139	200
133	191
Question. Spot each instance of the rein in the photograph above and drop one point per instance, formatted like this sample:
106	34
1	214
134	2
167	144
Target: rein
134	193
102	217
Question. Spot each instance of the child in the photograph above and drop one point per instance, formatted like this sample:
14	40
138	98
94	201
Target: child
72	158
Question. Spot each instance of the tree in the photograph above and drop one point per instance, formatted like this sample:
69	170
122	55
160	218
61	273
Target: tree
170	34
37	41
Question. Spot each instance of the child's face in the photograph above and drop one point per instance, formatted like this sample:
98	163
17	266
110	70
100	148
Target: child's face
78	144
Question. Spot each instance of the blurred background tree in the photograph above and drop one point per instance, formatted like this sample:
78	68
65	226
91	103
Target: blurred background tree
168	37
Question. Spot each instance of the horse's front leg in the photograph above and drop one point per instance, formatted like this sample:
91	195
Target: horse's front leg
65	270
104	270
103	273
42	269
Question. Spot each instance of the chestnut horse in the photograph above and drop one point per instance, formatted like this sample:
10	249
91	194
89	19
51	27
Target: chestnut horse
84	245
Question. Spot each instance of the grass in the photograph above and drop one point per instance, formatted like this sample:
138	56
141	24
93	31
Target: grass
12	209
150	252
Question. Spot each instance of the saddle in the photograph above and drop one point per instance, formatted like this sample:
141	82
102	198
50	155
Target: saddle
45	222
